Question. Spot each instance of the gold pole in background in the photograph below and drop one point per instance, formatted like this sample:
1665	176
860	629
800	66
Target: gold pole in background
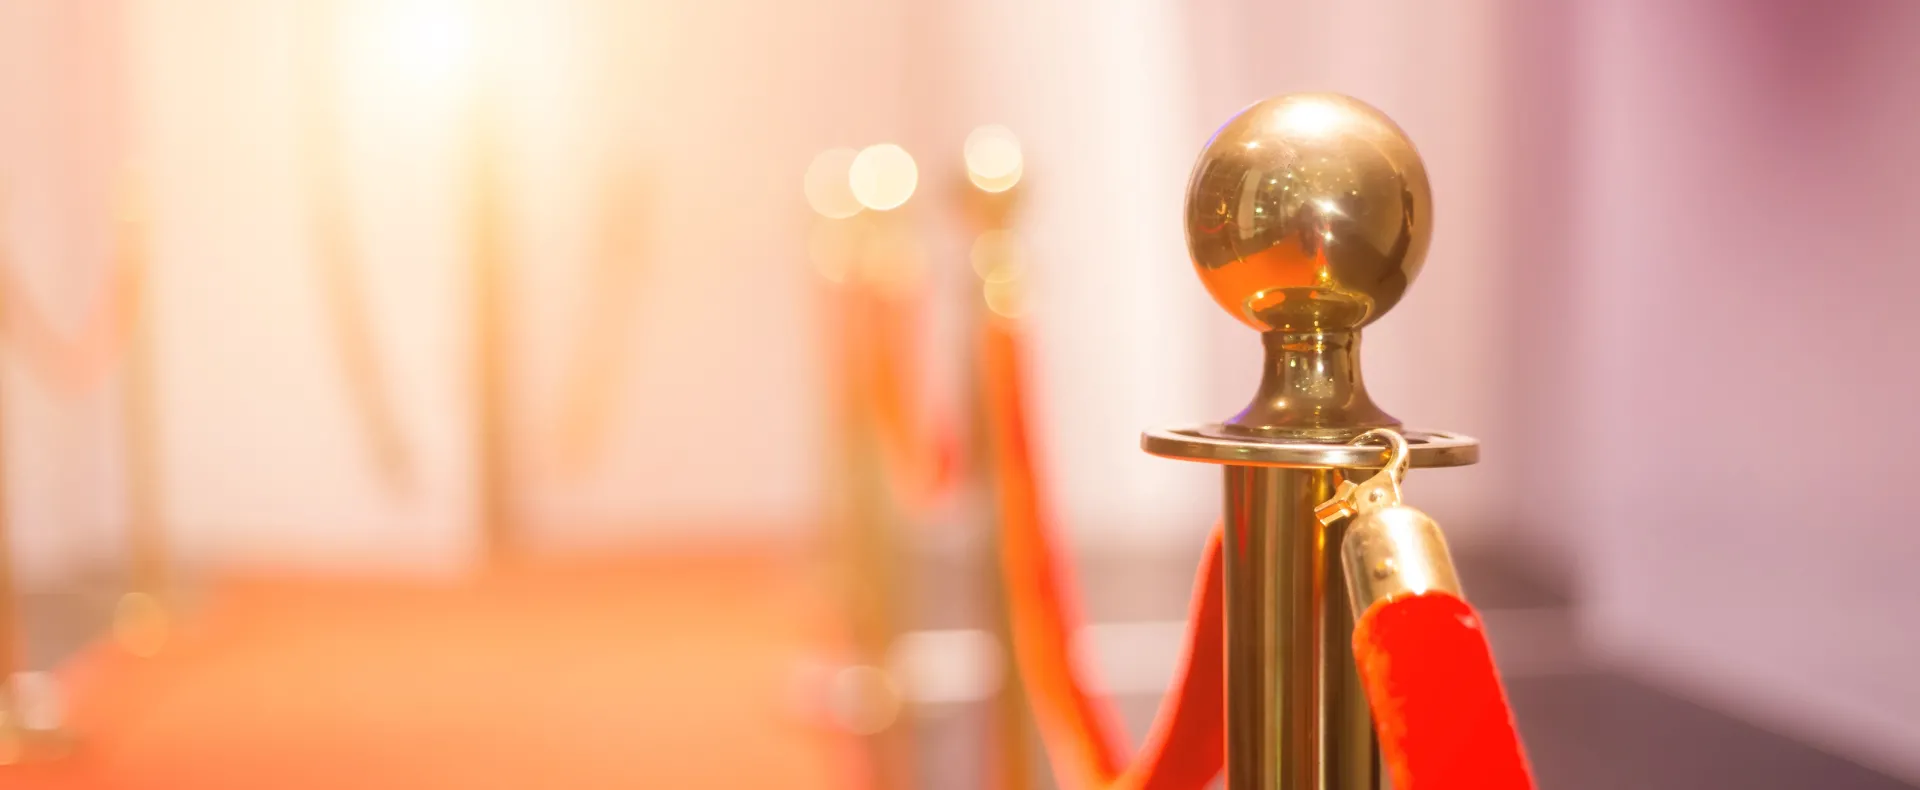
143	619
1307	216
600	353
24	737
26	734
495	510
889	264
337	255
13	732
853	247
990	196
12	642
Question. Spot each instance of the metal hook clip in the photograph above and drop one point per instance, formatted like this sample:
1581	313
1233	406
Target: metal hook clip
1382	490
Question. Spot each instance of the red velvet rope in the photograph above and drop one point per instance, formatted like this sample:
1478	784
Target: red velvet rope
1186	747
1437	703
924	450
75	364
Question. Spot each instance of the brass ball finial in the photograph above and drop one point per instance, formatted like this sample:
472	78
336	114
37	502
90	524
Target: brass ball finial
1309	213
1308	216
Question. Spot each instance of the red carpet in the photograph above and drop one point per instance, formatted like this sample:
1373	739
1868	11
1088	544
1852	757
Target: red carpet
670	674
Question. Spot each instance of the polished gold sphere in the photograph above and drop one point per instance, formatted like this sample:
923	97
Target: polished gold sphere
1309	212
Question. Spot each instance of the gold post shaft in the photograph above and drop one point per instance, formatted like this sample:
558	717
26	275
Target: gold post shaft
495	506
992	192
1296	715
142	621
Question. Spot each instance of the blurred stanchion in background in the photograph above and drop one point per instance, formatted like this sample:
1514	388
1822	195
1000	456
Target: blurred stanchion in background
894	466
496	505
338	252
143	620
994	169
599	356
869	262
75	366
1077	724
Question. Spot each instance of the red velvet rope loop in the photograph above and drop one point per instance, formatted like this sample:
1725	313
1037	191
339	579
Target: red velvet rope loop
75	364
1437	703
1186	747
924	450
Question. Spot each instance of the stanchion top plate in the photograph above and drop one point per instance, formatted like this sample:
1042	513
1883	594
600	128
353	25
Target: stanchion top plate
1215	444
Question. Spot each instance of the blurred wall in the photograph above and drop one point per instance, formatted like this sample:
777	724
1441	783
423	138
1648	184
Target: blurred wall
1745	415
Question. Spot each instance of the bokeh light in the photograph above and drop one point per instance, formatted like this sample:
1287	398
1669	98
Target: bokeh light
1006	298
994	159
883	176
829	184
420	46
1311	116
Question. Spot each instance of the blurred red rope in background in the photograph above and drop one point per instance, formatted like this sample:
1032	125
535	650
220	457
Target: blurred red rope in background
1186	748
75	364
924	449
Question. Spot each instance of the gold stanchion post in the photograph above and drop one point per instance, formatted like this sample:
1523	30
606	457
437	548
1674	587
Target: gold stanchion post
862	247
142	621
24	735
1307	217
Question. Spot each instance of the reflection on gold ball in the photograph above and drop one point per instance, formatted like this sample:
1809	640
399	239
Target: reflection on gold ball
1309	213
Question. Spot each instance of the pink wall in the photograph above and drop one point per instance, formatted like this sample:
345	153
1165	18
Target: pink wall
1744	336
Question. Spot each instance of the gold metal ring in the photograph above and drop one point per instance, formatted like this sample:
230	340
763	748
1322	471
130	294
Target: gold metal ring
1402	458
1213	444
